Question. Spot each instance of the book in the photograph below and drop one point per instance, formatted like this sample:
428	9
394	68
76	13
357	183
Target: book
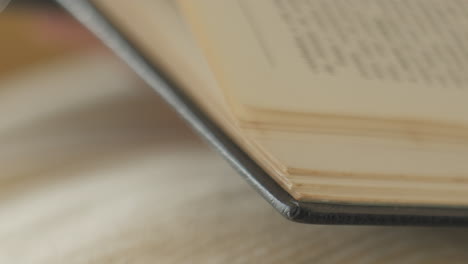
93	161
336	112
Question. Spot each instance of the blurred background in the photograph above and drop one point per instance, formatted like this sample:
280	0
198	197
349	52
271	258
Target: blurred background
95	168
67	105
34	32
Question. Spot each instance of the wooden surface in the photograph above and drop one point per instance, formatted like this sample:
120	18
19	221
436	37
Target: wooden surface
113	176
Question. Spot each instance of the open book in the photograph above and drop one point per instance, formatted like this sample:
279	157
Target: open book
360	103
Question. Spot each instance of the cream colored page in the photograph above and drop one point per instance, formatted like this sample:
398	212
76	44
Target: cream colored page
162	34
364	156
169	45
391	59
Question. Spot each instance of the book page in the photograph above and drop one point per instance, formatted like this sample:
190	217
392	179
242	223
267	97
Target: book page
384	59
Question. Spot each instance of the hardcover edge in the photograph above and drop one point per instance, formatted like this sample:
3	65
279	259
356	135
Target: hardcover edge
303	212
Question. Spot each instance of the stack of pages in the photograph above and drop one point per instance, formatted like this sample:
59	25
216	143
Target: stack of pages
360	102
